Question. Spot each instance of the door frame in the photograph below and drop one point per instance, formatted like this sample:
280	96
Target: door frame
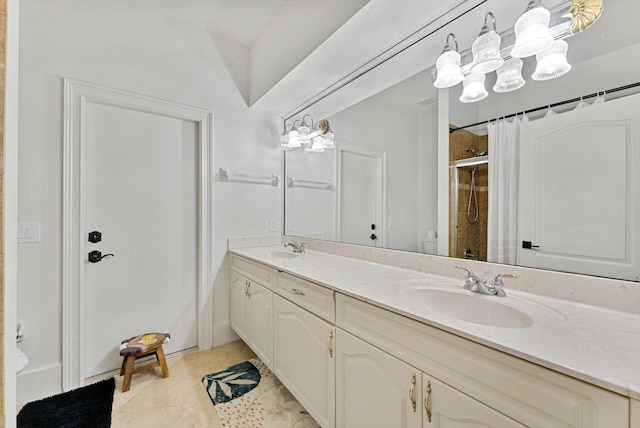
77	95
380	157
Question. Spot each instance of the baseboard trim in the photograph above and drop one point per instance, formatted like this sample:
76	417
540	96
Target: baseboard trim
223	334
37	384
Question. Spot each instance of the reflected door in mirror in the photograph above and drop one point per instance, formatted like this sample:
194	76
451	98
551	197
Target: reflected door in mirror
359	199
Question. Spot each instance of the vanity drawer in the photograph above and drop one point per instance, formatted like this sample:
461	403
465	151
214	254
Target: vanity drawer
255	271
313	297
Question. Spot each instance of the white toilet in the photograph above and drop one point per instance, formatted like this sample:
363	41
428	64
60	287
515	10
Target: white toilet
430	245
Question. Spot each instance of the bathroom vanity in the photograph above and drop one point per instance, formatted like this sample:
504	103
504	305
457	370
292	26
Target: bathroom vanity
366	344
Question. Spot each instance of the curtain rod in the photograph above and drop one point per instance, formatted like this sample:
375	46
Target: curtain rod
548	106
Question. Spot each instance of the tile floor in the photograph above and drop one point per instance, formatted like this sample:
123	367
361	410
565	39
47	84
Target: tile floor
179	400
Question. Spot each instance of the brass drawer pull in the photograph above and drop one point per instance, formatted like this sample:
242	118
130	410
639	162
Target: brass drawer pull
330	344
298	292
412	393
427	401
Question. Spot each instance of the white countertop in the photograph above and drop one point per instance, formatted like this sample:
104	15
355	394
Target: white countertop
596	345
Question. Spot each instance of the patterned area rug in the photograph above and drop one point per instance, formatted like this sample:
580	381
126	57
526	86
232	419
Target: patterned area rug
249	395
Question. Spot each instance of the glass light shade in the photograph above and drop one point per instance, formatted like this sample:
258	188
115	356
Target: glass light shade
473	89
509	76
294	141
532	31
284	142
329	140
303	133
486	53
552	62
448	66
317	146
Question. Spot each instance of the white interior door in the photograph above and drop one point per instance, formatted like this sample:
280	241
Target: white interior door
579	190
141	187
361	196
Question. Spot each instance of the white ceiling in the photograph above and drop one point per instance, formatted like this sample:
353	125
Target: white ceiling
244	21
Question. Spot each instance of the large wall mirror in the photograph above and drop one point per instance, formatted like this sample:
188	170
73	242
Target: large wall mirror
576	171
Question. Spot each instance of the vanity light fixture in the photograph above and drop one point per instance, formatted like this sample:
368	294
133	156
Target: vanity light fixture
552	62
316	137
532	30
509	76
532	35
473	88
448	65
486	48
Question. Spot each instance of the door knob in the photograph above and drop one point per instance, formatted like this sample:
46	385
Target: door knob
95	256
373	237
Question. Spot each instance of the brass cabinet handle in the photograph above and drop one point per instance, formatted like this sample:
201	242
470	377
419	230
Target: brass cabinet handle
427	401
246	287
249	289
330	344
412	395
298	292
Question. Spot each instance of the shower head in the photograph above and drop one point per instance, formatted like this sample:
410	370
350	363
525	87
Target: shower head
475	153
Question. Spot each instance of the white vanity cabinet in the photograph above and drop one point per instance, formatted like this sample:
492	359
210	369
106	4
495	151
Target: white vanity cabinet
251	306
304	358
354	364
375	389
487	379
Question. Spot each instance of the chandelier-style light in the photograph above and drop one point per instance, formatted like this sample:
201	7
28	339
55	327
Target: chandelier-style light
448	65
315	138
552	62
503	52
509	76
473	88
532	31
486	48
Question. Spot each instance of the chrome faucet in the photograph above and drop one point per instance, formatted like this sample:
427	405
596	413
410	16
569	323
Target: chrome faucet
479	285
297	248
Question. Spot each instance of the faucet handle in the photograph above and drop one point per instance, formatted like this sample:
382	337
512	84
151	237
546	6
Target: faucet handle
471	281
498	285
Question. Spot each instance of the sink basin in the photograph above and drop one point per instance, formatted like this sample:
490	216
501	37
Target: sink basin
282	255
470	307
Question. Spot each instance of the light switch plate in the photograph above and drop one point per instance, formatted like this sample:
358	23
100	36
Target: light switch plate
273	224
28	232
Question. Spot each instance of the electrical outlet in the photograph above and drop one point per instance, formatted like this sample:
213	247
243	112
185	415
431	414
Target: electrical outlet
273	224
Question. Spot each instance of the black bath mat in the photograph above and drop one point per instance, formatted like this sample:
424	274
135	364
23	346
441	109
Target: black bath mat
89	406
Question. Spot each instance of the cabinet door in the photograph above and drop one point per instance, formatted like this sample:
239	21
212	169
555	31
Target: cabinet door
304	360
374	389
445	407
237	304
260	322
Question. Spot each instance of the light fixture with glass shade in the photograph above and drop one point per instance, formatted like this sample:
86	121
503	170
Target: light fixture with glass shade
486	48
533	34
509	76
448	65
552	62
473	88
532	30
316	137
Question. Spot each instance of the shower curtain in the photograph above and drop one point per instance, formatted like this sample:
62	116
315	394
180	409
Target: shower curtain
504	158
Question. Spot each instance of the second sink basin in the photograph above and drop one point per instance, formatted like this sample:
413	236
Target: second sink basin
470	307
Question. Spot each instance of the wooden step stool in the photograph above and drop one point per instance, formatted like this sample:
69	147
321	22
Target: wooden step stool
139	347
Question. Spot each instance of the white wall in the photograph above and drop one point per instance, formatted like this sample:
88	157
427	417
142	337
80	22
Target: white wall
118	45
